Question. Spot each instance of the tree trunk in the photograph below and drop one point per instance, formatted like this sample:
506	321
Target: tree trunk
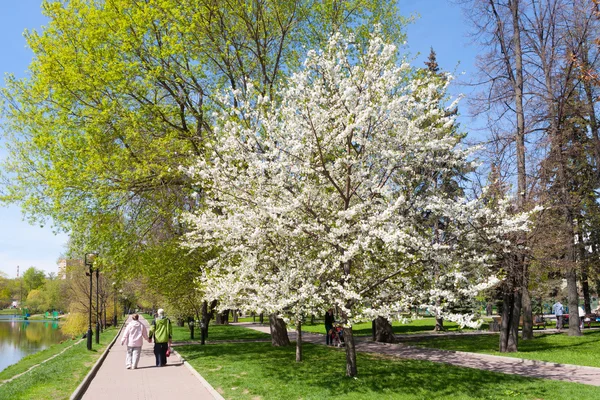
384	332
439	324
374	329
583	262
351	370
261	318
298	341
527	333
585	287
573	302
235	316
206	316
509	330
279	336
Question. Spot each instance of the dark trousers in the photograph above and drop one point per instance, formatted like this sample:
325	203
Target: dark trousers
160	352
328	339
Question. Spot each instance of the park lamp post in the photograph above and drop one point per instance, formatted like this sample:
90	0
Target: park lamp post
97	306
89	262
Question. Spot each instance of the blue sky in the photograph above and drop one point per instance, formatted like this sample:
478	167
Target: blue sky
441	25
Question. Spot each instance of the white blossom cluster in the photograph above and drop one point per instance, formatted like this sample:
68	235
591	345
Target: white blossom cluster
328	197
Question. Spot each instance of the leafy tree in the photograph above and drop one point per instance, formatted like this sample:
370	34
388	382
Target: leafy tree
33	278
120	94
321	200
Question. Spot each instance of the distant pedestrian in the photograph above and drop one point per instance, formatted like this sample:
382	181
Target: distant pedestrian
558	311
133	336
162	333
329	321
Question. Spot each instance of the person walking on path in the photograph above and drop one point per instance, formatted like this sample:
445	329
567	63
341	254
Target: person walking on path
134	336
329	320
162	333
558	311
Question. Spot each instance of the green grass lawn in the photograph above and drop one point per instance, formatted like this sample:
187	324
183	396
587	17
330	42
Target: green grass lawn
218	332
260	371
10	311
57	378
215	332
558	348
423	325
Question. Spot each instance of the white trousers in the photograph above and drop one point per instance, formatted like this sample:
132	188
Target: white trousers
133	356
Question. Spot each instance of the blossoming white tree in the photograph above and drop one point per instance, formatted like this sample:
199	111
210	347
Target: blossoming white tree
327	197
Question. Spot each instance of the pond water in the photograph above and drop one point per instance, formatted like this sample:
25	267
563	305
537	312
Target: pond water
19	338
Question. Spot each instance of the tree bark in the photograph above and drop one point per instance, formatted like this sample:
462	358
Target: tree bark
509	329
573	296
384	332
207	316
235	316
279	336
298	341
583	262
439	324
527	333
374	330
514	72
351	369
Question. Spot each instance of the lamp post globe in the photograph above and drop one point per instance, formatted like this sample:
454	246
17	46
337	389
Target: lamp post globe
88	261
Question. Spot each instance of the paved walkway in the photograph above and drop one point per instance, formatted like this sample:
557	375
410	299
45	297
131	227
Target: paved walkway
175	380
506	365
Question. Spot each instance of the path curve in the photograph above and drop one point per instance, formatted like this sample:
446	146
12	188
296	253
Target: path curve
506	365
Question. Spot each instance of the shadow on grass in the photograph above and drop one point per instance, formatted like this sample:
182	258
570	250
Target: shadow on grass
543	343
265	370
423	325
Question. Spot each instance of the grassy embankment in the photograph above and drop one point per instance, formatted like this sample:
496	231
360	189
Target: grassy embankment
57	378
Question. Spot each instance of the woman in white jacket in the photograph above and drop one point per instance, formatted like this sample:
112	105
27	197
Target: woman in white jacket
134	334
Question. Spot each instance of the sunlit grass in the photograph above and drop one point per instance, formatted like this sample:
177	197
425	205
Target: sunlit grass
557	348
260	371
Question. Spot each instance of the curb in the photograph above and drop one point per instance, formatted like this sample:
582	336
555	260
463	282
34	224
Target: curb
80	391
216	395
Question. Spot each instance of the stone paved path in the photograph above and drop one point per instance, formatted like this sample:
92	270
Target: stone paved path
175	381
506	365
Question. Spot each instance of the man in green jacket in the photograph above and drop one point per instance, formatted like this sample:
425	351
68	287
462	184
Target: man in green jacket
162	333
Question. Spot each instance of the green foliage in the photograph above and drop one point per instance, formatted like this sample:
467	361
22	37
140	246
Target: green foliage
33	278
75	324
120	95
